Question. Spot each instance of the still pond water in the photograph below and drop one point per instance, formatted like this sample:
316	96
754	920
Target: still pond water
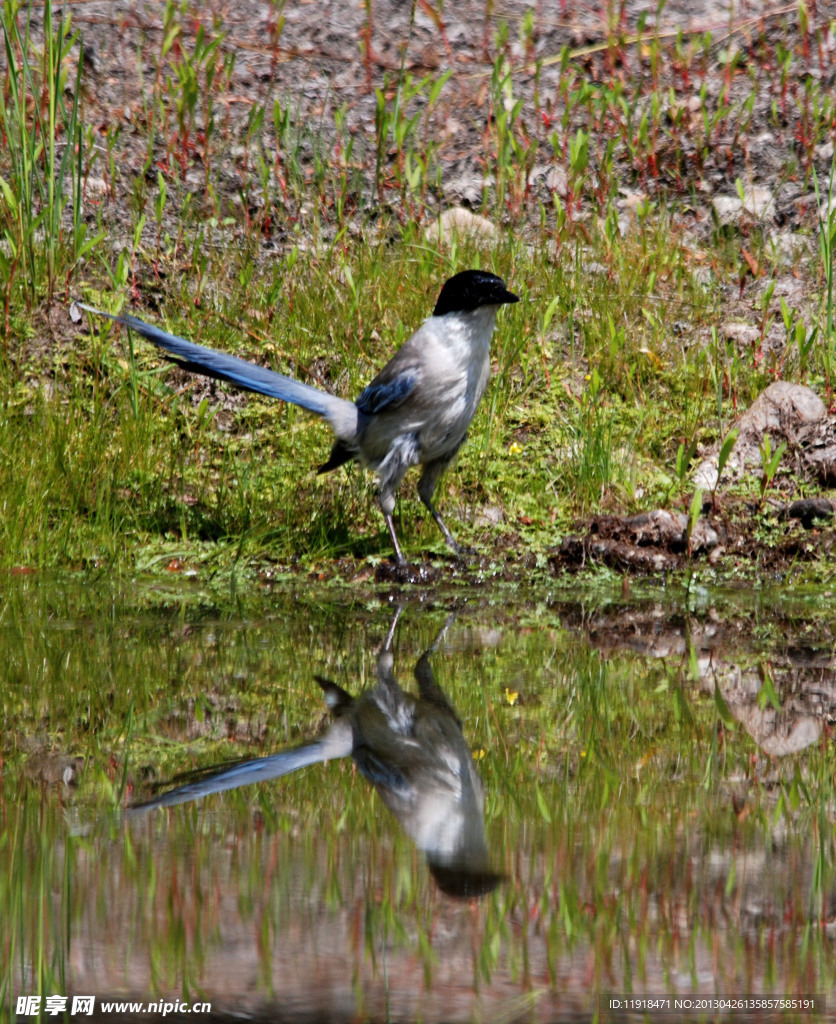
640	799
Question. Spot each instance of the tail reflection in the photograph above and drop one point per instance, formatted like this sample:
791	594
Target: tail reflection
414	753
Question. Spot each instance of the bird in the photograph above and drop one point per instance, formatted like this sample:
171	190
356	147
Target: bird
416	411
414	753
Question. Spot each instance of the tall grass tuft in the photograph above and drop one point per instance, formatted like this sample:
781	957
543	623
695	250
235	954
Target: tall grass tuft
44	144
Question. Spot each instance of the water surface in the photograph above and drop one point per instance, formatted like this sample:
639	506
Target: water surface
658	771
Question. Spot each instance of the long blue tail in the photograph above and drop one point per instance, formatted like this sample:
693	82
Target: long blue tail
340	414
259	770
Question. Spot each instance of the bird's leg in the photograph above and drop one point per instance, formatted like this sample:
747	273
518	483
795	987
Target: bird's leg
403	453
390	526
426	490
390	636
451	540
428	688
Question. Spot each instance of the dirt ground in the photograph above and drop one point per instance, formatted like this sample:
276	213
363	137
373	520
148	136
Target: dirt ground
318	58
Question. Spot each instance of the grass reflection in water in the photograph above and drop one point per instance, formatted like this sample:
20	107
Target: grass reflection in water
654	834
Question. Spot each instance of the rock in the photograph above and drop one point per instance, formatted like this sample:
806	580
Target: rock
820	457
727	209
777	734
809	511
95	186
758	204
827	208
786	412
743	335
489	515
466	188
655	541
461	222
52	768
788	288
662	528
556	181
785	409
775	340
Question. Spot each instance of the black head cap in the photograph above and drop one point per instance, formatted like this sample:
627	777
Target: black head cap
471	289
463	883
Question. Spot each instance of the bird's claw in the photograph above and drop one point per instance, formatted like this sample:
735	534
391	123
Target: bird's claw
405	572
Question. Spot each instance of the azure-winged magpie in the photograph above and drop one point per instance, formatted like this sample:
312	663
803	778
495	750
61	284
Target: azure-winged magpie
416	411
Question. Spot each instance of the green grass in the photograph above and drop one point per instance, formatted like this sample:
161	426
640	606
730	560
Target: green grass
116	457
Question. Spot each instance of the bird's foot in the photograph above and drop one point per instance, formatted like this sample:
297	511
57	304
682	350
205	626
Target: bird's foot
464	553
461	554
405	572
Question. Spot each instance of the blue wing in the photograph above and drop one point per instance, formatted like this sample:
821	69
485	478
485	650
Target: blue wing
379	771
384	394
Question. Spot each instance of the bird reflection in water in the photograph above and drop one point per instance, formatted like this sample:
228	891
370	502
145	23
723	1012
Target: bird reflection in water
411	749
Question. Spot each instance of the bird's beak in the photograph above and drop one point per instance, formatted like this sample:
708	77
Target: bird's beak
502	297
